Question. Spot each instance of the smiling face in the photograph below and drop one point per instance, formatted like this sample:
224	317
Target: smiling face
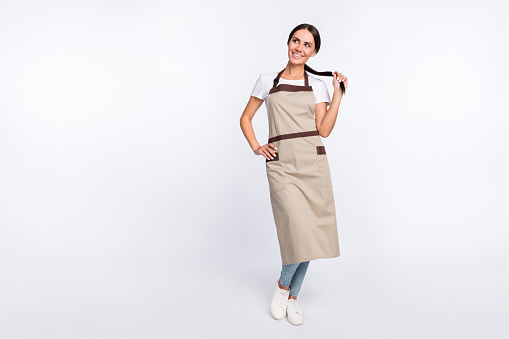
301	47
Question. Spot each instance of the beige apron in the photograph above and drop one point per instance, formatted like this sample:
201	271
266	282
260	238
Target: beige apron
299	179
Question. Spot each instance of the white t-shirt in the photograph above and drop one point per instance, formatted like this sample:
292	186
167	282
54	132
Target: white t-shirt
266	81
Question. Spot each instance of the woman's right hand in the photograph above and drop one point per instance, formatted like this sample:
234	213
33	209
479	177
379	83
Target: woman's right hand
268	151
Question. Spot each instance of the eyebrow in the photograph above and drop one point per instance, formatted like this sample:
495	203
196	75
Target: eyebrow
304	41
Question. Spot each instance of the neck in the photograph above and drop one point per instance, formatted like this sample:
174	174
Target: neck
294	71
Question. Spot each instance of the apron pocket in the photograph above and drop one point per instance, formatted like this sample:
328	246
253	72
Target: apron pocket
323	165
275	175
276	157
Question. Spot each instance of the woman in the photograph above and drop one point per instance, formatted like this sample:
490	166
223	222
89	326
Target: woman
296	163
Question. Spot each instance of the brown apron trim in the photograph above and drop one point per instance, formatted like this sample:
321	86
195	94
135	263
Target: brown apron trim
276	157
288	87
320	149
294	135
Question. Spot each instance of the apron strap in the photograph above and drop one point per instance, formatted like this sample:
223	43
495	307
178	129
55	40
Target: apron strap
276	79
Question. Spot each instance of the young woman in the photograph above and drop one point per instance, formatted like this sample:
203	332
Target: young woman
297	168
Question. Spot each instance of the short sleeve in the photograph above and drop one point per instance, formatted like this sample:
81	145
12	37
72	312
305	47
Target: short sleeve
323	93
258	89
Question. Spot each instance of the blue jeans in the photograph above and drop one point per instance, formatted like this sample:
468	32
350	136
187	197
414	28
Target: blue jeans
292	275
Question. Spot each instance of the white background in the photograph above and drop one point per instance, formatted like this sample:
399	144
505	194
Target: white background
131	205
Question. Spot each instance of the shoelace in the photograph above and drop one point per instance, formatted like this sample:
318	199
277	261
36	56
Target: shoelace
281	300
294	308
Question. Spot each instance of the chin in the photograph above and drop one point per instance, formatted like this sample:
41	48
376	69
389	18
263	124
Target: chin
297	62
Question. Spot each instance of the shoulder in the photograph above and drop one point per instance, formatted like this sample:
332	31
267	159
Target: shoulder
315	82
265	80
268	76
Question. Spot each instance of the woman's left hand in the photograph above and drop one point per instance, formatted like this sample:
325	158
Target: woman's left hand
337	78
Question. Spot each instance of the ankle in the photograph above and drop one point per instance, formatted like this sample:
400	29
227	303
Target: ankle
283	287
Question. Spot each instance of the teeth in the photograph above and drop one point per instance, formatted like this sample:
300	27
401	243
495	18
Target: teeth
297	56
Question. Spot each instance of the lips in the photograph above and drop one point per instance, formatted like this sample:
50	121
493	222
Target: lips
297	56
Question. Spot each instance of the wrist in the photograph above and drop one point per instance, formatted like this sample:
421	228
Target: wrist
338	92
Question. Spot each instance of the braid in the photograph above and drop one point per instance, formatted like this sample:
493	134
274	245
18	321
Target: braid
326	74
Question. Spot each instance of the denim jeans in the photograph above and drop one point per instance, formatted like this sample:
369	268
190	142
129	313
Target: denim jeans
292	275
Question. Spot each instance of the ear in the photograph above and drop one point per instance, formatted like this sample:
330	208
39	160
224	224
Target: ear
314	53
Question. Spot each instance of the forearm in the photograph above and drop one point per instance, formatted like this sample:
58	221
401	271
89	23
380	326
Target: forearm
330	117
247	129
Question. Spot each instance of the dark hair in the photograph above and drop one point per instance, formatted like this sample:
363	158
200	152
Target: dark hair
316	36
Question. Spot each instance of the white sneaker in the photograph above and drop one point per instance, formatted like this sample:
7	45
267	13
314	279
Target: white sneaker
295	316
279	303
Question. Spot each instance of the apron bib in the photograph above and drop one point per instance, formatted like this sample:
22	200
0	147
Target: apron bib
299	178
